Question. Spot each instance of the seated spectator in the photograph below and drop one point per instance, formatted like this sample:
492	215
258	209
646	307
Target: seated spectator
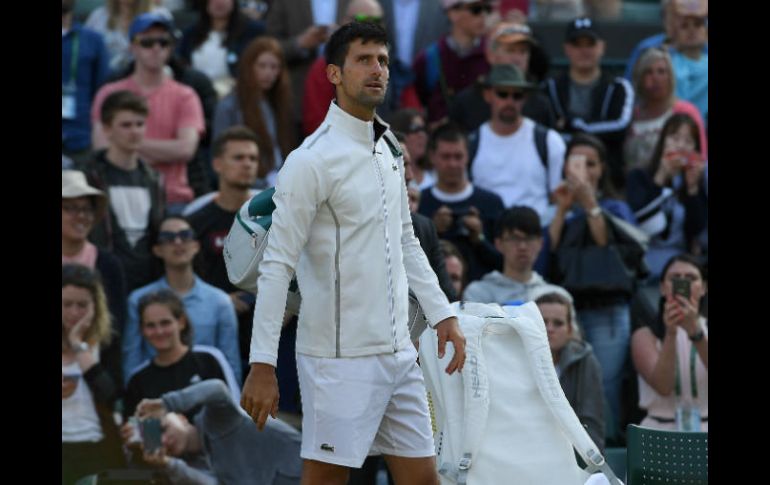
604	315
556	9
210	309
579	372
456	267
669	198
136	195
656	101
261	101
237	451
214	43
519	238
236	159
82	206
90	377
411	123
166	327
669	348
112	21
463	213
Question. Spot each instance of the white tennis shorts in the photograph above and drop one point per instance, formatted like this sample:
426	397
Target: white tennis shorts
359	406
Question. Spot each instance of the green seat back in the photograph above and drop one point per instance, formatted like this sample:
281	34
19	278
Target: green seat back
666	457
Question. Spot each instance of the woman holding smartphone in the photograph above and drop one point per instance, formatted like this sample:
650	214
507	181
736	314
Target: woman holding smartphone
584	197
671	353
90	377
670	197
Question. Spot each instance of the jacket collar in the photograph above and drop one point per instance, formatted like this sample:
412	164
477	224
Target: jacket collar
367	132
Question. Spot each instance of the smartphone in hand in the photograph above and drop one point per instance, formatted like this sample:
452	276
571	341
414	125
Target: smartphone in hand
151	434
681	286
576	165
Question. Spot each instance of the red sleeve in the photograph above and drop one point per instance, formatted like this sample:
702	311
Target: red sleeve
319	93
191	111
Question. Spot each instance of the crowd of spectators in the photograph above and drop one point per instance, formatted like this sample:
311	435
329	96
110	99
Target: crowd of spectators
175	113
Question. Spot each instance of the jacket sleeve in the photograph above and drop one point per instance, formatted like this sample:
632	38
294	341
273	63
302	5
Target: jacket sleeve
422	280
221	413
227	336
132	338
180	473
300	189
276	23
617	115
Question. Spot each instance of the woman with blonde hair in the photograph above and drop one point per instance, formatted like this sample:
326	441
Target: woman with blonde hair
90	377
656	100
113	19
262	101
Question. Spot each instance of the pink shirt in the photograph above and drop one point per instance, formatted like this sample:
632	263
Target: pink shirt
172	106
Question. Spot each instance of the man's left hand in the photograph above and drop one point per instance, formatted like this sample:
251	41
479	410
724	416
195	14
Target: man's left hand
449	330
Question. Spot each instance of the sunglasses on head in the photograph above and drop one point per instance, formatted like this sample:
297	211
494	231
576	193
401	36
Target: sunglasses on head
476	8
361	17
185	235
516	95
148	42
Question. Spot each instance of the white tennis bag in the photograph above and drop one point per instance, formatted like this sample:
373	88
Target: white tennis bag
505	418
246	242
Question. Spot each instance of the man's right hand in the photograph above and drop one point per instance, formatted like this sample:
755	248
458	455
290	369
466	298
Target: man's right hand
260	394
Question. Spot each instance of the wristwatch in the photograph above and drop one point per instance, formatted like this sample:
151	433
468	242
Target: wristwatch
697	336
595	212
81	347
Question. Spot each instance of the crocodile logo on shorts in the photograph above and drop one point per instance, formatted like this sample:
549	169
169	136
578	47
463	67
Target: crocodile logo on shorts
327	447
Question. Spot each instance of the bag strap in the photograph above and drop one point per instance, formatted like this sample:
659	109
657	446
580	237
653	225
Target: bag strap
541	145
532	332
393	144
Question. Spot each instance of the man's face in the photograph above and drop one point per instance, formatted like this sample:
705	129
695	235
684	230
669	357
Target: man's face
584	53
516	53
454	268
505	103
176	244
450	160
470	18
363	78
237	165
519	249
126	131
690	32
152	48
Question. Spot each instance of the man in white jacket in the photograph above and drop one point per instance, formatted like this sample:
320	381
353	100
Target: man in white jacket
342	223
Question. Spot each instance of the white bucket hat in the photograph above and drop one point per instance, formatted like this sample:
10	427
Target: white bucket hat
74	184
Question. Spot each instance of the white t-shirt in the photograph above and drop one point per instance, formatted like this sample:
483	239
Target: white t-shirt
211	57
510	166
79	421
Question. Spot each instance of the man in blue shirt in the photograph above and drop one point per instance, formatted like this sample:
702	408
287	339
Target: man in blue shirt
84	67
210	310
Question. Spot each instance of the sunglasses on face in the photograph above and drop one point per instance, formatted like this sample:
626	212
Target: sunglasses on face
148	42
367	18
516	95
167	237
477	8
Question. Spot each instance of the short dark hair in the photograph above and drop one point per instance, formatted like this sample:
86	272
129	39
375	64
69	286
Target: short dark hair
175	305
233	133
519	217
339	43
685	258
448	132
122	101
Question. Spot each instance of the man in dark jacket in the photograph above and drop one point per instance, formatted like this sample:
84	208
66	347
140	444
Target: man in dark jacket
136	197
585	100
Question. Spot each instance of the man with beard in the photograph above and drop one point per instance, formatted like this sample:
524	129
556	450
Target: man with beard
516	158
341	222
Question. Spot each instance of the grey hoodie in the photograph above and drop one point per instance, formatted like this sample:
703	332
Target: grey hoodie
237	451
495	287
581	379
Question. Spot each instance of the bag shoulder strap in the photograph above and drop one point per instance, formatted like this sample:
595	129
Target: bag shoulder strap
393	144
541	145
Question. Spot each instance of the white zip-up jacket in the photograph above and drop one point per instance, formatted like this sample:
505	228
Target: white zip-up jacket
342	223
